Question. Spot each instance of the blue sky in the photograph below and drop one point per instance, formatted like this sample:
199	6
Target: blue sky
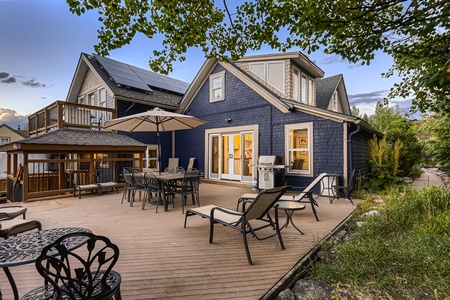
41	42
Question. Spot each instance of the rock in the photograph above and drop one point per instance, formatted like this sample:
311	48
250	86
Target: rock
312	290
371	213
286	295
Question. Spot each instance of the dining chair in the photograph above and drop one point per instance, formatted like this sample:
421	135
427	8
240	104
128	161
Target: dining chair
152	185
129	185
139	185
189	185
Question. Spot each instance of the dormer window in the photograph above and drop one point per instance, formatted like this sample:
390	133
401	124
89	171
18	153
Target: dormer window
334	101
303	87
217	87
272	72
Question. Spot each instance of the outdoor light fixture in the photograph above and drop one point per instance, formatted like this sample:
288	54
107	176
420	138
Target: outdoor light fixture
228	119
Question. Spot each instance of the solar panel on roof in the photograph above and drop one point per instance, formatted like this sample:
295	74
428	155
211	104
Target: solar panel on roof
140	78
161	81
122	74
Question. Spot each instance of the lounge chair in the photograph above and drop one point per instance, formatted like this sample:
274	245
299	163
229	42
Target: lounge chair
15	226
305	196
11	211
344	191
257	210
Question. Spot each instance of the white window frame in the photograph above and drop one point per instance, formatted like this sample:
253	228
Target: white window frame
147	157
81	100
5	140
304	89
296	84
100	102
334	101
220	75
311	91
308	148
266	73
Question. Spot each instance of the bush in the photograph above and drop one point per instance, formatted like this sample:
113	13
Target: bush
403	253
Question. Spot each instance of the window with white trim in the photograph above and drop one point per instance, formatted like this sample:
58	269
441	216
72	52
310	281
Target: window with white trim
296	85
311	91
304	87
151	157
81	100
5	140
217	87
102	97
334	101
272	72
298	145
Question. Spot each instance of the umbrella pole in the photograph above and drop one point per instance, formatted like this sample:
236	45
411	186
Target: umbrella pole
159	147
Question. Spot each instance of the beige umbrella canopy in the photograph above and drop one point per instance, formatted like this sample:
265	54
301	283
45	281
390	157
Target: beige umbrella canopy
155	120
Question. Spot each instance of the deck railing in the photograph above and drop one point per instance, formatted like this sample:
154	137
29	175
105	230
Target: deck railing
62	114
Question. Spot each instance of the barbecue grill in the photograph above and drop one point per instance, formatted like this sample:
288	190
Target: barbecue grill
270	172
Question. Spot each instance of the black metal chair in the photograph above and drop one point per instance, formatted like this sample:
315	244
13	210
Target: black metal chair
129	186
257	210
344	191
84	273
189	186
152	185
139	185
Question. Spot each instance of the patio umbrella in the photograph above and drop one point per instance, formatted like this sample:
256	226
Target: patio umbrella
156	120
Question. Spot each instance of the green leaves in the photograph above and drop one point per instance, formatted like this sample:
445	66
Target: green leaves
414	33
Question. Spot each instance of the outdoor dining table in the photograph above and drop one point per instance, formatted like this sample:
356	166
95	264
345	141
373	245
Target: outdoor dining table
26	248
166	181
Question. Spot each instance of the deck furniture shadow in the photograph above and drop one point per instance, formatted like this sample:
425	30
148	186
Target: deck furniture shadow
257	210
74	274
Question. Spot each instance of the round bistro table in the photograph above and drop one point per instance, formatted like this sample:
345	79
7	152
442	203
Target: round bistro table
25	249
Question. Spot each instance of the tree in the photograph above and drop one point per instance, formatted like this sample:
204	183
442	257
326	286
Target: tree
435	131
397	127
415	33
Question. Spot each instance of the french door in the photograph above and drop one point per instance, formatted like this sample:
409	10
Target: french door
230	154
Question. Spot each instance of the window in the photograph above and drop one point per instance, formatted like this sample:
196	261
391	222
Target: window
217	87
102	97
304	88
298	145
271	72
334	101
91	99
5	140
81	100
296	85
151	157
311	91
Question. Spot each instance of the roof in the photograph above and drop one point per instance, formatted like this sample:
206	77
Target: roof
78	138
22	133
154	96
325	89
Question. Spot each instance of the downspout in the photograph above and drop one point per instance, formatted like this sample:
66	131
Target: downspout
350	147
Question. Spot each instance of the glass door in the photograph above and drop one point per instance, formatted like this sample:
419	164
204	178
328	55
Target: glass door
230	155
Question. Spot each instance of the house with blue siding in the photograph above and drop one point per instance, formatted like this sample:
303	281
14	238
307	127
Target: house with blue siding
278	105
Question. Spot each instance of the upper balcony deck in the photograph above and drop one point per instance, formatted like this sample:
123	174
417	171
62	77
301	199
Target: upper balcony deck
62	114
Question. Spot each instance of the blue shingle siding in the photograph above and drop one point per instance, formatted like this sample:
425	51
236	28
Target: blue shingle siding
245	107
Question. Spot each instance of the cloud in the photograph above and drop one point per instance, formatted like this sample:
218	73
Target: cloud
367	98
332	59
11	79
12	118
33	83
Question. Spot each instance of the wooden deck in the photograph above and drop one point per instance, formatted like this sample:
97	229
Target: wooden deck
160	259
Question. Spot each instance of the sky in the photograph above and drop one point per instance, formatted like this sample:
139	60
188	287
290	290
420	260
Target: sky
41	43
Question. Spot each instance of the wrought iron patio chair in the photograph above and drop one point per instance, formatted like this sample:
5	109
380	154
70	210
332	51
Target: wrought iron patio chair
257	210
83	273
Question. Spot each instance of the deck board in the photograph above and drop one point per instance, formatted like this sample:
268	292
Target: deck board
159	259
